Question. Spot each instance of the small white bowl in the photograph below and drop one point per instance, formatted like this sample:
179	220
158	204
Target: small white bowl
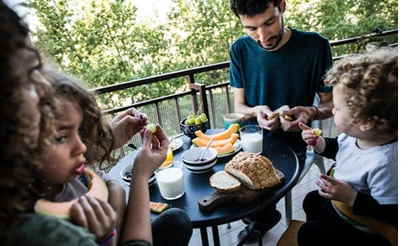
126	174
191	159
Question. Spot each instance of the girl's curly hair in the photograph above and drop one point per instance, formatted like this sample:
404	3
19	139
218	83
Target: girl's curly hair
20	151
371	82
95	131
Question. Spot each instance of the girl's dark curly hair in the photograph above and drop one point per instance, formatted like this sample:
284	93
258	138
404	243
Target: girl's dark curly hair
251	8
95	131
20	151
371	82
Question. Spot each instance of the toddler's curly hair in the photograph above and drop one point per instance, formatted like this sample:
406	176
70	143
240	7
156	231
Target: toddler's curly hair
371	82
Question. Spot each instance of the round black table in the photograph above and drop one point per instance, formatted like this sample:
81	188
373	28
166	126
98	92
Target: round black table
197	187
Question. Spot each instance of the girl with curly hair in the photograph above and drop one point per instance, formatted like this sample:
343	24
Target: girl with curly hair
84	136
357	203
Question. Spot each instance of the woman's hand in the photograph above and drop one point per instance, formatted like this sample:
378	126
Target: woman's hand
338	190
126	125
95	215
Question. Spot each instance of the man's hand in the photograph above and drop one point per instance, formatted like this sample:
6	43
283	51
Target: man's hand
300	113
262	113
126	125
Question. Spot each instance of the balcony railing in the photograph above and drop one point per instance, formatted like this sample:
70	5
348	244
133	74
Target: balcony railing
215	100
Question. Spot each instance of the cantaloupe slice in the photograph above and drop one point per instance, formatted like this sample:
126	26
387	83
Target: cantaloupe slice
233	128
96	188
199	142
226	149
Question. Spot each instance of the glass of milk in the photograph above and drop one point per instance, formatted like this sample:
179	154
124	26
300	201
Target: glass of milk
251	138
171	183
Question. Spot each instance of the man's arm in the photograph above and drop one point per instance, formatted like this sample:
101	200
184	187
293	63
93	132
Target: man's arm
326	105
259	112
240	104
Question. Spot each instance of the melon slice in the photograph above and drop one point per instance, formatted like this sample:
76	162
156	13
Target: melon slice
96	188
199	142
233	128
226	149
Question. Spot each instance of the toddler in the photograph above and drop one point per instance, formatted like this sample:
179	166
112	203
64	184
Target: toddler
365	177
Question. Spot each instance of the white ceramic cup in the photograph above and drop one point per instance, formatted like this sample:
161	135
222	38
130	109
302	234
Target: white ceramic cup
171	183
252	138
233	118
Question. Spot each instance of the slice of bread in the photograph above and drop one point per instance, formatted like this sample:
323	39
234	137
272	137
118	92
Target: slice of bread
224	182
278	112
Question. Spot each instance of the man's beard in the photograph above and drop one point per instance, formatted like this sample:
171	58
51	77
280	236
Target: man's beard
278	39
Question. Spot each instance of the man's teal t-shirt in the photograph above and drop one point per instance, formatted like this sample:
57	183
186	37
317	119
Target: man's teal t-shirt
290	75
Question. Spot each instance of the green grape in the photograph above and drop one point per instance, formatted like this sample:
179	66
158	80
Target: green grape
151	127
197	121
190	121
317	132
203	117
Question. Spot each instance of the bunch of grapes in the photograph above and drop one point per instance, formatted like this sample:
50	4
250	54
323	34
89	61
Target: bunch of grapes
196	119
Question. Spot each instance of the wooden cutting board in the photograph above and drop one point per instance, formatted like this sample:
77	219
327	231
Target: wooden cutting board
242	195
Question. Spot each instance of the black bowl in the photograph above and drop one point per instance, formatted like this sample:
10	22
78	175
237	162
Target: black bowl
189	130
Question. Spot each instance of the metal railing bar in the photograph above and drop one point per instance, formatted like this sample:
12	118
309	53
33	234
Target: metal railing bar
354	39
159	78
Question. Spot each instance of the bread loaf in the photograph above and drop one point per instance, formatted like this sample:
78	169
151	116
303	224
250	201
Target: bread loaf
254	170
224	182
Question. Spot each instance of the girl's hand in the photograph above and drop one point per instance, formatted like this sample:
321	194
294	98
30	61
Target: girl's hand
338	190
95	215
151	155
126	125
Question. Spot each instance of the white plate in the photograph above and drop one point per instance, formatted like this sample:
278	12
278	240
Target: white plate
176	144
126	176
237	147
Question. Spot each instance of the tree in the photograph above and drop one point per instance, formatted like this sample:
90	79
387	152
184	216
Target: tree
102	44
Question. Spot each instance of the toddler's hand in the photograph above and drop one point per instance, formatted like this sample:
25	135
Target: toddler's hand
338	190
309	135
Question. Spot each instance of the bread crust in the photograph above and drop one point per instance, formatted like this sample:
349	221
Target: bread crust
253	170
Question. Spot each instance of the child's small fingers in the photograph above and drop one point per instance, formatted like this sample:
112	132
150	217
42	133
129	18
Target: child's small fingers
304	127
78	215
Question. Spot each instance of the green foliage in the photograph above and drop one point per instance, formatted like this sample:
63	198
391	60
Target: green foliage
343	19
102	43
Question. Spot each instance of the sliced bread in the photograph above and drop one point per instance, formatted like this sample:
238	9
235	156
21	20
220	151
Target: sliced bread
224	182
253	170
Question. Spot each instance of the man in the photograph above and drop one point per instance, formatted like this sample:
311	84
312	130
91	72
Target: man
273	66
